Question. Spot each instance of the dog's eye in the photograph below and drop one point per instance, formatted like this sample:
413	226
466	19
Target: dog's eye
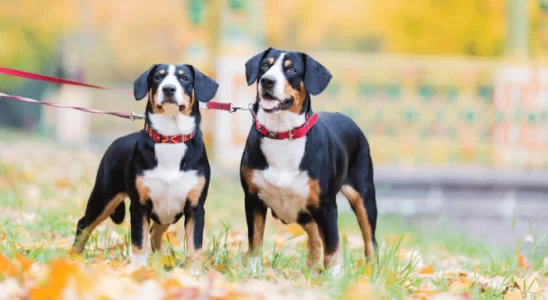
264	66
158	77
291	70
184	78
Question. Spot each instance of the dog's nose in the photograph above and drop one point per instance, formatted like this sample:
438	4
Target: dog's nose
267	82
169	90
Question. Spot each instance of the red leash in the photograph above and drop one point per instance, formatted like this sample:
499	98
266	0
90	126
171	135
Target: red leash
33	76
230	107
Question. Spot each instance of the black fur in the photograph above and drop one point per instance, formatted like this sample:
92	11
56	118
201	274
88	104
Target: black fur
337	152
130	156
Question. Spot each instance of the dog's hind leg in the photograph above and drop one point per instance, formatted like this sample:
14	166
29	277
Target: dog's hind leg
100	206
359	189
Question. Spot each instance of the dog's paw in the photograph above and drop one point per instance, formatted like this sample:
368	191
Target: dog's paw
335	271
255	264
140	260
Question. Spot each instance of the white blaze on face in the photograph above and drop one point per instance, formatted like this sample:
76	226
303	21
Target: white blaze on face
170	79
275	73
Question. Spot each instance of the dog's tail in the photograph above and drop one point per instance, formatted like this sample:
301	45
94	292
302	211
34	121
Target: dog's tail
119	213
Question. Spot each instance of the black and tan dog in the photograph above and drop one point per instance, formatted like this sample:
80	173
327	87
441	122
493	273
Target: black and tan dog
296	161
163	168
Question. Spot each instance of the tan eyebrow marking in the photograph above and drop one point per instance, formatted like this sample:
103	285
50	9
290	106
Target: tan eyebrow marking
271	60
162	72
181	72
287	63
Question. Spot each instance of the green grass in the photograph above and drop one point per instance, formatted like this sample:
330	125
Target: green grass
37	213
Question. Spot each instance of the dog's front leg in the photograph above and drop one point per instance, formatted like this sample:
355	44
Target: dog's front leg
326	218
194	234
140	228
255	212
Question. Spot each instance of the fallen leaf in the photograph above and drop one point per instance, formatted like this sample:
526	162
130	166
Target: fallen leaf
295	229
522	261
360	290
513	294
3	236
62	183
457	286
24	262
427	270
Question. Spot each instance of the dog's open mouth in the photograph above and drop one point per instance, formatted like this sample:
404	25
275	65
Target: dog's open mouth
171	102
271	104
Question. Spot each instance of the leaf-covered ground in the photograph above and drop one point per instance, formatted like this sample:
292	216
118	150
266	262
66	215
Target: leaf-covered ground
44	189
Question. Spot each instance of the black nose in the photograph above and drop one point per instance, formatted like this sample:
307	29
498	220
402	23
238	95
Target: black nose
169	90
267	82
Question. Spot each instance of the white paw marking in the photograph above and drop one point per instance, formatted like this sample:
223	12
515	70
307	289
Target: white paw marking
255	264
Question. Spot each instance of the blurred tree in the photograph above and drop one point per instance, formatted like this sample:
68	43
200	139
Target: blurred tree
473	27
30	32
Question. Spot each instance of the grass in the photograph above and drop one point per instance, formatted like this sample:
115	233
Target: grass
43	193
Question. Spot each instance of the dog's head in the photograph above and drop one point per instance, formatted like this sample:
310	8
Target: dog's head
174	88
285	79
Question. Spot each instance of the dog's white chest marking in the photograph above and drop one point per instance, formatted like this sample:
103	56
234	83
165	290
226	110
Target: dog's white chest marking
168	185
283	186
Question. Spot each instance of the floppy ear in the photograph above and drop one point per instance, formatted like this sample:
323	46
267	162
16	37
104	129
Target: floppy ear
141	84
252	66
205	88
316	77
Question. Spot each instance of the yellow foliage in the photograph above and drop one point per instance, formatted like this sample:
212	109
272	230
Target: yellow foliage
30	30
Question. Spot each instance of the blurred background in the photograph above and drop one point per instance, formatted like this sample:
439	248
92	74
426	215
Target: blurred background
453	95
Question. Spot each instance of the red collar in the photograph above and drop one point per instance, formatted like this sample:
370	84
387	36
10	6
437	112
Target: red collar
167	139
295	133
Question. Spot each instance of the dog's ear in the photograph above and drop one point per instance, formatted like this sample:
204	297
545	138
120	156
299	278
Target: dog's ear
142	84
205	88
252	66
316	77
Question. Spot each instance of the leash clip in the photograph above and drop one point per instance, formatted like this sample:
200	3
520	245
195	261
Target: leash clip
234	107
133	116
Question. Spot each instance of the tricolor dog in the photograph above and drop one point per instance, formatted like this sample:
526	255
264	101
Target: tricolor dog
163	168
296	161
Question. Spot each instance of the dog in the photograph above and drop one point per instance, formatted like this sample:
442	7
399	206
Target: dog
296	161
163	168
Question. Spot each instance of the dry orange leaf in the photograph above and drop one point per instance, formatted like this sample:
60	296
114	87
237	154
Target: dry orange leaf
522	261
3	236
295	229
514	294
457	286
427	270
62	183
7	267
361	290
23	261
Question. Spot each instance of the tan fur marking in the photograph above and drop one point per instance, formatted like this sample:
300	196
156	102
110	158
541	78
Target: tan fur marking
195	193
152	100
181	72
313	193
270	60
298	96
356	202
314	244
189	239
107	211
258	234
162	72
142	189
287	63
156	235
144	241
248	177
188	102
